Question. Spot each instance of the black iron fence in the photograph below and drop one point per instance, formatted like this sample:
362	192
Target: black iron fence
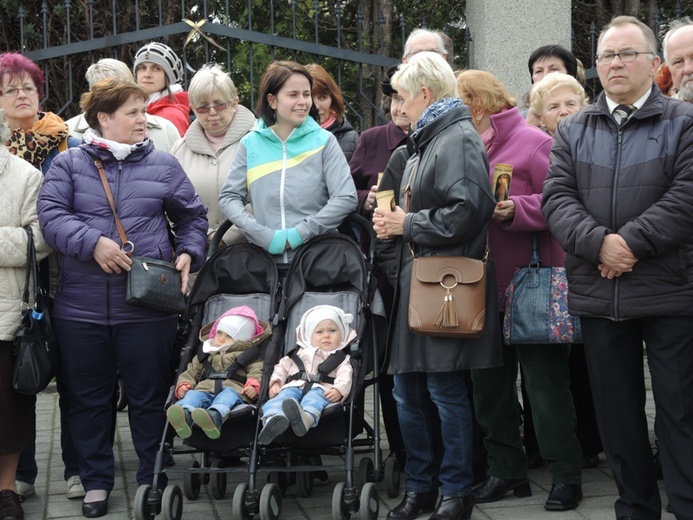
354	45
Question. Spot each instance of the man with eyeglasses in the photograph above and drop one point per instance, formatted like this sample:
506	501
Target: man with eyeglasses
619	199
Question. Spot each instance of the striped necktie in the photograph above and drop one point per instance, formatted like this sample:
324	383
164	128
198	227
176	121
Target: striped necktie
624	112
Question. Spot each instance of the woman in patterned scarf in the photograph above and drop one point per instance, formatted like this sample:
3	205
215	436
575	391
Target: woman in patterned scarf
37	137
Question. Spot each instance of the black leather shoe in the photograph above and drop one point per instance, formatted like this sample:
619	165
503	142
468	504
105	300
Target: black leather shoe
563	497
10	505
412	504
590	461
95	509
495	488
454	508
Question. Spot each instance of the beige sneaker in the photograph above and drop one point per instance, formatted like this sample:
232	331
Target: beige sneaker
300	420
75	488
24	489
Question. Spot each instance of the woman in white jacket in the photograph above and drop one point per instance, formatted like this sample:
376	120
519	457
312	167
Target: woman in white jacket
210	144
19	186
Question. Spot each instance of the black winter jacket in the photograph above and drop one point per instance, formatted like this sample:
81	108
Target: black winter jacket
637	182
346	136
451	204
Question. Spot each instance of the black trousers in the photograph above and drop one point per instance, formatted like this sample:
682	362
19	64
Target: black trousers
91	354
616	368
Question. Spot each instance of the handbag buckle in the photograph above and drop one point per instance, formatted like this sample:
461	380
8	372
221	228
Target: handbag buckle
448	287
128	248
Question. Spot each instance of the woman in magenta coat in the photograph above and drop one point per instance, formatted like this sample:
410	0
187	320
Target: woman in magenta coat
525	150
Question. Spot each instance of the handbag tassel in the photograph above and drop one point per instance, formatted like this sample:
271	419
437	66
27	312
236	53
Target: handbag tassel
447	316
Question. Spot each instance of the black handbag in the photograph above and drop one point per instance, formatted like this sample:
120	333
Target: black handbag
536	305
152	283
35	345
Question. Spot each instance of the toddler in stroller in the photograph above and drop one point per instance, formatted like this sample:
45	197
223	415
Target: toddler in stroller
312	376
225	373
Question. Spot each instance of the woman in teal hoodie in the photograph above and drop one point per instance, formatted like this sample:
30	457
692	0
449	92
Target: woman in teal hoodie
292	171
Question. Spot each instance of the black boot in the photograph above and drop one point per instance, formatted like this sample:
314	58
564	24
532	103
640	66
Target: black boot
454	508
412	504
495	488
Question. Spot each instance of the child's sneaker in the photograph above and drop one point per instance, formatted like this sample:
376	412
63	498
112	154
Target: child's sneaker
301	421
273	428
180	419
209	420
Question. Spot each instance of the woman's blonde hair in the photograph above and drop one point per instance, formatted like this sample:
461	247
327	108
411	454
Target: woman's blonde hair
210	79
482	90
550	83
426	69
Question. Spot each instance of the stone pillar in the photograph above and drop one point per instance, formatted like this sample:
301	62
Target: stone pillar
505	32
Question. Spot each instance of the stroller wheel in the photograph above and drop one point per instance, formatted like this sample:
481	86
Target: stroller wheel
392	477
368	502
239	511
192	482
217	481
172	503
121	397
270	502
339	509
141	506
304	483
280	479
366	473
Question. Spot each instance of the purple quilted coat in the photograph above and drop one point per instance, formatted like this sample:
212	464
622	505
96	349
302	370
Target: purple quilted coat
147	186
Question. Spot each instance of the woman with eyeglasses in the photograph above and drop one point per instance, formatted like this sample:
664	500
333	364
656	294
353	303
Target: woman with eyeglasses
210	144
37	137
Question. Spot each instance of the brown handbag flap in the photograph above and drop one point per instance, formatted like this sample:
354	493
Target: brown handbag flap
437	269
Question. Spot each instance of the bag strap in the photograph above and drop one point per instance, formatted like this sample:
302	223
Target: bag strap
535	259
31	269
407	201
109	195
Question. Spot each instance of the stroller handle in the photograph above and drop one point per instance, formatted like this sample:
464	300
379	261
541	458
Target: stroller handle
363	224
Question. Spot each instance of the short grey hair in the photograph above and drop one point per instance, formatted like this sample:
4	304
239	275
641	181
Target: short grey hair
416	33
208	80
108	68
673	27
625	20
426	69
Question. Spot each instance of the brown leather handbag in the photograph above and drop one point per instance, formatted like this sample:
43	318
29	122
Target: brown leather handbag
447	294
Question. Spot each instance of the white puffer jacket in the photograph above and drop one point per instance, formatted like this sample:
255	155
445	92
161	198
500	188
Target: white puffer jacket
19	187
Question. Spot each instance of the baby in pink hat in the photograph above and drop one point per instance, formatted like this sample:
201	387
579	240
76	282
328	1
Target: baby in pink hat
219	377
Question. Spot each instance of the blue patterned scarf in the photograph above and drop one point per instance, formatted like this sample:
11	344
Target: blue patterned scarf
437	109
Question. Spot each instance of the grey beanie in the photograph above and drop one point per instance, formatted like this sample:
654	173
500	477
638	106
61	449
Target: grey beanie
163	56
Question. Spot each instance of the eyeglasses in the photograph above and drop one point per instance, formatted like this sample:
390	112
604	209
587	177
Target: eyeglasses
218	107
14	91
624	56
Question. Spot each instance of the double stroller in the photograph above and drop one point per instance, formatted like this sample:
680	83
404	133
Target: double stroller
328	270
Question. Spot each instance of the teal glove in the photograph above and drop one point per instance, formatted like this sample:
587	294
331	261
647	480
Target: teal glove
278	243
293	237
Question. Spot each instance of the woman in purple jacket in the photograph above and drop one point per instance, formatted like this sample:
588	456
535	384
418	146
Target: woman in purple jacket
100	333
525	150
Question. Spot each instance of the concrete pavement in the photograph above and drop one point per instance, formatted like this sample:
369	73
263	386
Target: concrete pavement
50	502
